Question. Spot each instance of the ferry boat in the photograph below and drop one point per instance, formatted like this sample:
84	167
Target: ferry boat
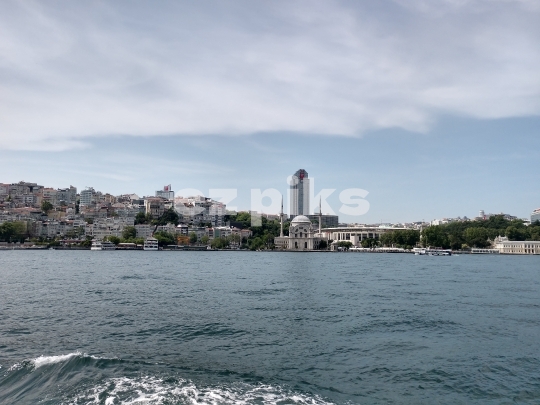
151	244
432	252
102	245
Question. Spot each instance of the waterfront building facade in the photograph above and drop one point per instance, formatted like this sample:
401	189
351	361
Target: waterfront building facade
299	194
356	234
515	247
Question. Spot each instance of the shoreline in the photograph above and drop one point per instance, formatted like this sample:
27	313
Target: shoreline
203	249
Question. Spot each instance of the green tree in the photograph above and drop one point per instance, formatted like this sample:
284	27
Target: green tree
170	216
204	240
515	233
219	243
7	231
367	243
87	242
387	239
165	238
235	239
345	244
268	240
193	238
46	206
255	243
476	237
435	236
114	239
142	218
129	233
323	245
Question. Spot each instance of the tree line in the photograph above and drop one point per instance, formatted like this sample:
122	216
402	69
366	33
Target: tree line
479	234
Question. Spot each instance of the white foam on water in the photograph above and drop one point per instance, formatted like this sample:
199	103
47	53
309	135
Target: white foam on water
155	391
46	360
16	366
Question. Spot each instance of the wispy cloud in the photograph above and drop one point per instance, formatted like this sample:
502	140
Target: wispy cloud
72	70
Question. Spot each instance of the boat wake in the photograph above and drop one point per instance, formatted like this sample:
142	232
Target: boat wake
153	390
78	378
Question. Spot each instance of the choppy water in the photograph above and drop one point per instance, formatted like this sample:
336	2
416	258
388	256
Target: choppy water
277	328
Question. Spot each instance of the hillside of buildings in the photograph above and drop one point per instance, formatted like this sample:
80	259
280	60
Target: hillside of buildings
34	214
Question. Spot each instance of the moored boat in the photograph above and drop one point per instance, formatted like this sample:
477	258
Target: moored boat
151	244
102	245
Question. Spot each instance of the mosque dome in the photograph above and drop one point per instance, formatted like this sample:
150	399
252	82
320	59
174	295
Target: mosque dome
301	219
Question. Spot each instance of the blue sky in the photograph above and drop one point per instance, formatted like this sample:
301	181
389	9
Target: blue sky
433	107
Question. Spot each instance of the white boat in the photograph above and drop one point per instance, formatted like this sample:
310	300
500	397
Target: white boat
150	244
102	245
432	252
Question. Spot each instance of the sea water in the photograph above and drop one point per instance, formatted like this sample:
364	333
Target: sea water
121	327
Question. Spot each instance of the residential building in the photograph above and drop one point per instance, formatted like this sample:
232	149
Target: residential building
154	206
49	194
169	228
535	216
66	195
107	227
88	197
144	230
198	210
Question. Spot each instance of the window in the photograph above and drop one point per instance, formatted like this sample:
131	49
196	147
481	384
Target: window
305	245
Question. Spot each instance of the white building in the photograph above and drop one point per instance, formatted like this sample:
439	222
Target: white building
88	197
509	247
357	234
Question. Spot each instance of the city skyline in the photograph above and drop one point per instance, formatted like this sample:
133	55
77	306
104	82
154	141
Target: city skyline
224	199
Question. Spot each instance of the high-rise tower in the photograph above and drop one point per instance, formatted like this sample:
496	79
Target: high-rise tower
299	193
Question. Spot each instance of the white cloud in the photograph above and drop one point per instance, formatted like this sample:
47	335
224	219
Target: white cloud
80	70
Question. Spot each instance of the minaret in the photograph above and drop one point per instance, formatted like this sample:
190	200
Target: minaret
320	215
281	219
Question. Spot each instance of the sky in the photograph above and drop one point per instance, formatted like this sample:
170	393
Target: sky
432	108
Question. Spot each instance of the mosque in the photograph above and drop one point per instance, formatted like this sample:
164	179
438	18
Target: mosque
302	235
